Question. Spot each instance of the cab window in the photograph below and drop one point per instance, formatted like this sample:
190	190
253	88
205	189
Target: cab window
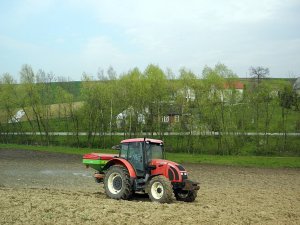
124	151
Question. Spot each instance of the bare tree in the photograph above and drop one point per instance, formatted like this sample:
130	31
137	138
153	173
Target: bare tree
101	75
112	74
259	73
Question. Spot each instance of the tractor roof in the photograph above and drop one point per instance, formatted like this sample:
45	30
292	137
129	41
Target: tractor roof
141	140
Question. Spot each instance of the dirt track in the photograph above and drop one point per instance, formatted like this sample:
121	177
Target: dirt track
47	188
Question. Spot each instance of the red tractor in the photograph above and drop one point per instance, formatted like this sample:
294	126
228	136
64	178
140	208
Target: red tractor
141	167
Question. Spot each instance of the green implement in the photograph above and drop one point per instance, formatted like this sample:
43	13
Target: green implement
96	160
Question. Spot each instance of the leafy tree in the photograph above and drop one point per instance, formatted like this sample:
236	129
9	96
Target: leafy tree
216	111
44	87
95	110
285	101
36	97
156	88
133	95
185	100
8	105
30	97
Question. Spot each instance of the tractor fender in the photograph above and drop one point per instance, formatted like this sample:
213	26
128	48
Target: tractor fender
123	162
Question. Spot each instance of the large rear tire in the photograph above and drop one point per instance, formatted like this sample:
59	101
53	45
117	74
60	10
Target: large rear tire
186	196
160	190
117	183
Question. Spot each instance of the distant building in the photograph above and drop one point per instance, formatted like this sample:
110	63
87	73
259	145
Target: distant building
17	117
296	86
121	118
231	92
188	93
172	116
238	86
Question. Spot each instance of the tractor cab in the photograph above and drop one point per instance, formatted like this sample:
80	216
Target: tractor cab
140	152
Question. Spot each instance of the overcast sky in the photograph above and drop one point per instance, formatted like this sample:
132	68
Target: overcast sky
72	36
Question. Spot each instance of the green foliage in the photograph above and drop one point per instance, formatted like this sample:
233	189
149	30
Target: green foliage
153	103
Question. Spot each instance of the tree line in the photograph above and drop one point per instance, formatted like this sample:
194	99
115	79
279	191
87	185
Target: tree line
183	110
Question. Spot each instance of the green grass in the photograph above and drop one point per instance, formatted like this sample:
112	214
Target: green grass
246	161
57	149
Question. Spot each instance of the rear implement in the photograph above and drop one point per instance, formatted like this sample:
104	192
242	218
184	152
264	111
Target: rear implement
96	160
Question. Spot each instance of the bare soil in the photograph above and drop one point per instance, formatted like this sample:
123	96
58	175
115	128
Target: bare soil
50	188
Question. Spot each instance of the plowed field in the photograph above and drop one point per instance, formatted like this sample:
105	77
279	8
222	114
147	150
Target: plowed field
51	188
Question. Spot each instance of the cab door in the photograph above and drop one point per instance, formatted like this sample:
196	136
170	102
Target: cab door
133	152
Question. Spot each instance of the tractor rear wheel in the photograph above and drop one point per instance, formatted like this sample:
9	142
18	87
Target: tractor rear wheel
117	183
160	190
185	196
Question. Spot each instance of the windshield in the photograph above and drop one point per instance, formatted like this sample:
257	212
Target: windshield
154	151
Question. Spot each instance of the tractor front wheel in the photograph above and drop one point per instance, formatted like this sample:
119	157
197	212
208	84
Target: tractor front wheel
186	196
160	190
117	183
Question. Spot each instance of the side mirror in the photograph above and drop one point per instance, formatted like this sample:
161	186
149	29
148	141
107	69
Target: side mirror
116	147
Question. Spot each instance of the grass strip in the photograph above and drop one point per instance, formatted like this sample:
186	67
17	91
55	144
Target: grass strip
57	149
246	161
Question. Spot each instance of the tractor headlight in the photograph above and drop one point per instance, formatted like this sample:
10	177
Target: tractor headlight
184	175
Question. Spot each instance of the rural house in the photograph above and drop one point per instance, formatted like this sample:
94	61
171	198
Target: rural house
231	92
296	86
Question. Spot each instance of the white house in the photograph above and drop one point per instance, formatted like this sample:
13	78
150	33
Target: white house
296	86
126	114
17	117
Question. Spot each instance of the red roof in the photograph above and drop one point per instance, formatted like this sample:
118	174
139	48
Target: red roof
141	140
235	85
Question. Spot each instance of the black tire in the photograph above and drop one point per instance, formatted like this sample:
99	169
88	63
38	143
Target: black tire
117	183
185	196
160	190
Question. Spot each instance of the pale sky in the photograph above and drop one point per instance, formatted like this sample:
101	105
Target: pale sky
72	36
